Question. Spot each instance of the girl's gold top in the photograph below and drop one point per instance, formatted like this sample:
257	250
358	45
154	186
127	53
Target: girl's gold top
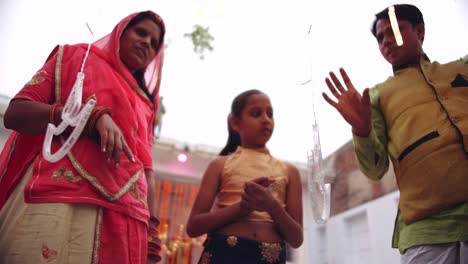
245	165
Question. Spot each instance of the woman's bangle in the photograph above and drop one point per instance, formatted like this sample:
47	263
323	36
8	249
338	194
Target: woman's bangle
153	220
97	113
154	242
53	113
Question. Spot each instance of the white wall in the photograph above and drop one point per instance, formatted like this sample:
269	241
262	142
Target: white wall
361	235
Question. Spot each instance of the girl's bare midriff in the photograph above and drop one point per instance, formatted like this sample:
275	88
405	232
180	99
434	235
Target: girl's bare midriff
255	230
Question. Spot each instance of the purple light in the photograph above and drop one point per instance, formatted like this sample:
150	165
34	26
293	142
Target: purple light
182	157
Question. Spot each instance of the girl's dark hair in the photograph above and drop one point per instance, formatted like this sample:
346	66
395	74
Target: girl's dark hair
237	107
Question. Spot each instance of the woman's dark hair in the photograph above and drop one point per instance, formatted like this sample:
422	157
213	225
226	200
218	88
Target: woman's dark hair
139	75
151	16
237	107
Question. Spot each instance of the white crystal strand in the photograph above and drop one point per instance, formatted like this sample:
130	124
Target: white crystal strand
316	154
72	115
78	122
319	190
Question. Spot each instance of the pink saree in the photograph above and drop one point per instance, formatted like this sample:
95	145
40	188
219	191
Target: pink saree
84	176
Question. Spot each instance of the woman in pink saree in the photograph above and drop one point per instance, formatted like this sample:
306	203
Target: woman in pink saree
95	205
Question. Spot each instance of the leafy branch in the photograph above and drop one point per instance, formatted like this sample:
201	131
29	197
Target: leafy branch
201	40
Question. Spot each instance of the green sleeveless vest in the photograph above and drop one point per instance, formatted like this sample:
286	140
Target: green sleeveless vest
426	115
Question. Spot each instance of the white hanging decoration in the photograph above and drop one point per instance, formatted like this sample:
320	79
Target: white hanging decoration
319	190
72	115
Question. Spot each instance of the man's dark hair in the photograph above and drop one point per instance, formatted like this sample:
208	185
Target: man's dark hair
405	12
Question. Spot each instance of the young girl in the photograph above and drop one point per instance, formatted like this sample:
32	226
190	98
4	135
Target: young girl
258	198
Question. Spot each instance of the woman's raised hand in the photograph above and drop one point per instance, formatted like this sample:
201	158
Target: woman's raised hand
112	140
354	108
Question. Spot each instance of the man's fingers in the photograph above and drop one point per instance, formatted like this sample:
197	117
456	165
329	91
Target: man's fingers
329	101
366	97
346	79
366	100
332	88
337	83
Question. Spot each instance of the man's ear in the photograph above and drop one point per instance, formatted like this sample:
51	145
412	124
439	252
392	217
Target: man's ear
421	31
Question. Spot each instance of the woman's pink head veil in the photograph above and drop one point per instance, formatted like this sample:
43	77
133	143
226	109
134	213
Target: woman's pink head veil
111	44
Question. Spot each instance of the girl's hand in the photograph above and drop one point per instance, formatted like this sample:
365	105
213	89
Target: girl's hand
112	140
257	194
245	207
264	181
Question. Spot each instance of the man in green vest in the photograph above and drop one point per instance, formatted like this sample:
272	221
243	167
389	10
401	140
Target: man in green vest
419	119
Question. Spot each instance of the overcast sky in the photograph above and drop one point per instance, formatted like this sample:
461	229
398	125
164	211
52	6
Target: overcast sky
261	44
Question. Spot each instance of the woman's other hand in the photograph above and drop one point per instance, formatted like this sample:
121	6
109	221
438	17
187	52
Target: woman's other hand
112	140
